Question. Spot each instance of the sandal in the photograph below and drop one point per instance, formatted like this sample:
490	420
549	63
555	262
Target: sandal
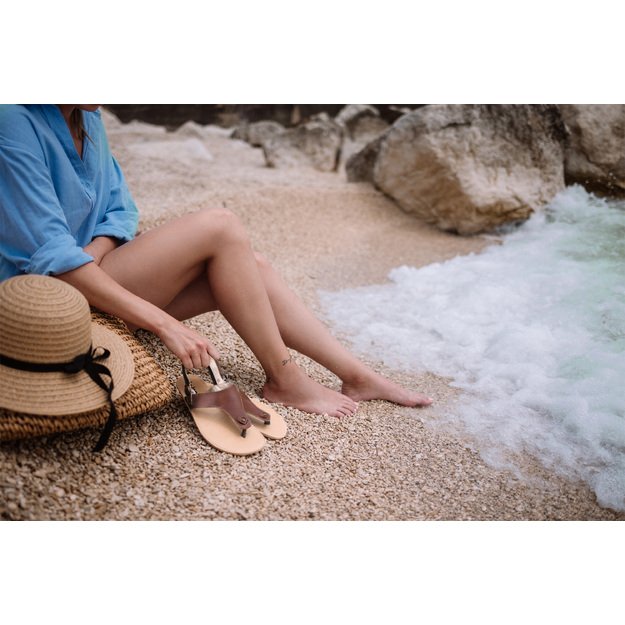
270	423
219	414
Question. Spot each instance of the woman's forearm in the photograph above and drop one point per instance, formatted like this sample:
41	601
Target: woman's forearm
107	295
104	293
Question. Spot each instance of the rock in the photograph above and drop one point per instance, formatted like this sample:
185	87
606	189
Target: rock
259	132
240	132
316	143
58	492
471	168
362	122
595	156
191	129
359	166
368	128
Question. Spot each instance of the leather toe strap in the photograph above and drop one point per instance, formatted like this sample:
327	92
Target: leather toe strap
254	410
229	400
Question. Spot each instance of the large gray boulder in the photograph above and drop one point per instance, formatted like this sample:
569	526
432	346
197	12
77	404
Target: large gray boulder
471	168
596	154
316	144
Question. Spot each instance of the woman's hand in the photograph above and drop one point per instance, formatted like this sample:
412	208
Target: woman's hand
193	349
100	247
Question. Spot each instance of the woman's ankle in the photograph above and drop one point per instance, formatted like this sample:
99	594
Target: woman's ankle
283	374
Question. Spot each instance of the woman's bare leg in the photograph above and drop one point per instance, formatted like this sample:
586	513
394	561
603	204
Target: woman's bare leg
213	245
303	332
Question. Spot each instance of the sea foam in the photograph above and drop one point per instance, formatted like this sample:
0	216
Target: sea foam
532	330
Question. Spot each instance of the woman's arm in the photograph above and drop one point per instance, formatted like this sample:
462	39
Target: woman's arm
107	295
34	232
121	217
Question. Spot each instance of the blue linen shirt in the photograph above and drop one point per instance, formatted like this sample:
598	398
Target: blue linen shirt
53	202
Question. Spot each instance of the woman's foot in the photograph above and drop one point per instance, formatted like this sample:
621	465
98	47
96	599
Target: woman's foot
367	385
295	389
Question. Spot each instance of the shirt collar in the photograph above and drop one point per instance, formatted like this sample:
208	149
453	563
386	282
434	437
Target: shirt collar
59	126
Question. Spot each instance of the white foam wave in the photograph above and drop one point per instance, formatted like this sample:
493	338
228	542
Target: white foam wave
533	330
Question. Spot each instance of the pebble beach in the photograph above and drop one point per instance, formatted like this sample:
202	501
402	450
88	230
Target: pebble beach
385	463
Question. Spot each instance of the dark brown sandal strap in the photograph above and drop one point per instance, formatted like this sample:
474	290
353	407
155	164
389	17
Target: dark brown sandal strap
189	391
229	400
252	409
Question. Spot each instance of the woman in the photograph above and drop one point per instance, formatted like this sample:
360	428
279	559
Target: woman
65	210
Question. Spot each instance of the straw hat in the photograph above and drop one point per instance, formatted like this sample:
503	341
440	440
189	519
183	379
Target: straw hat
45	322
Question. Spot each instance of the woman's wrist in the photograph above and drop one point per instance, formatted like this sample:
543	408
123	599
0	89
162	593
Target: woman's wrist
158	321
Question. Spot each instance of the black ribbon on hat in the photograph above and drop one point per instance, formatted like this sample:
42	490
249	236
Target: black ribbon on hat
87	362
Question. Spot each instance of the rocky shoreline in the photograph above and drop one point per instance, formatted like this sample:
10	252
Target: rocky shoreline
466	169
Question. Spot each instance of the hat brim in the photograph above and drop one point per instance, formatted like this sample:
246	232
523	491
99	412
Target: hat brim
58	393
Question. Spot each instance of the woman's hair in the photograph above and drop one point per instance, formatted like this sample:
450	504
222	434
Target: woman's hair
76	125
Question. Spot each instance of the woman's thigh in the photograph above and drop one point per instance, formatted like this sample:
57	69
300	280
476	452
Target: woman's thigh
162	263
195	299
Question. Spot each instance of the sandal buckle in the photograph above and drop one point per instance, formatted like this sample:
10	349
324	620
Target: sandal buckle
190	392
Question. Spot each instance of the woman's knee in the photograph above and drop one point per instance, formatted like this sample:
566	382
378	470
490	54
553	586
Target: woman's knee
221	223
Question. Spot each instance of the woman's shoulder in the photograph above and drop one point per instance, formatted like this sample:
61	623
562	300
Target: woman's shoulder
18	123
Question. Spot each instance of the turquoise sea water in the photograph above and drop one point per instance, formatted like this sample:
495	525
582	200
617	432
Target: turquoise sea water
532	330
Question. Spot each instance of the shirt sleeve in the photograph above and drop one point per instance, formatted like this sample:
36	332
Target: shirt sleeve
34	234
121	217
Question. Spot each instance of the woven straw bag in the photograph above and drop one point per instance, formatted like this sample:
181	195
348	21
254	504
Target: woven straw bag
150	389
